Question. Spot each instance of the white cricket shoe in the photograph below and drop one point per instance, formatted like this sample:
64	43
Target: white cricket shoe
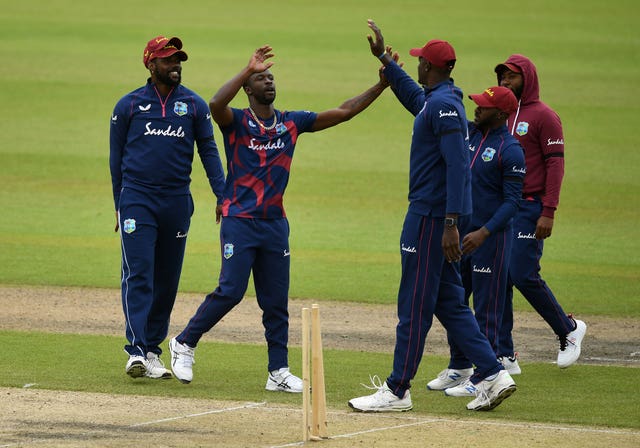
570	345
510	364
492	391
182	360
282	380
466	389
136	366
449	378
382	401
155	368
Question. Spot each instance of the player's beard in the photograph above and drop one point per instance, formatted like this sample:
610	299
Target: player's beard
518	91
168	79
267	98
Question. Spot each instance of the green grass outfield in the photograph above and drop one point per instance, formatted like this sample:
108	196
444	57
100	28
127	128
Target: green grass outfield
584	395
66	63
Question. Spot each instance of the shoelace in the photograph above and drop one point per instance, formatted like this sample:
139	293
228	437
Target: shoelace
282	377
563	342
376	382
187	355
481	392
563	339
155	362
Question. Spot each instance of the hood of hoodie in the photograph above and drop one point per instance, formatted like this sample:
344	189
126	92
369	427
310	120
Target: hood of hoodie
531	87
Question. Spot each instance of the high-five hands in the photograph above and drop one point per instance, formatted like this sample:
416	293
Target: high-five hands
377	46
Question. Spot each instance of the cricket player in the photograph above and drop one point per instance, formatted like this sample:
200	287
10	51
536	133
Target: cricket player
259	142
153	132
430	246
539	130
497	173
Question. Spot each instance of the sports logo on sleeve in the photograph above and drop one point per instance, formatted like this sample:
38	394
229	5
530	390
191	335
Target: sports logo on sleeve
129	225
180	108
522	128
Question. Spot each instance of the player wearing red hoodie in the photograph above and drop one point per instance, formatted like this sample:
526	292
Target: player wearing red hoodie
539	130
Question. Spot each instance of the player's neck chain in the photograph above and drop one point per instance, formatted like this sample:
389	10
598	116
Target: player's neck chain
266	128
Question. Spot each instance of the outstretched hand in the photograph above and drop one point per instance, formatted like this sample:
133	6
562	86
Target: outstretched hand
258	62
377	45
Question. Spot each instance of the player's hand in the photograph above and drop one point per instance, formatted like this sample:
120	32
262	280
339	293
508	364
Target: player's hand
451	244
117	224
377	46
543	227
396	57
473	240
218	213
258	62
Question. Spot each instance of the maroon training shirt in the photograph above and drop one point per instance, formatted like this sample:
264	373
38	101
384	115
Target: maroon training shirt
539	130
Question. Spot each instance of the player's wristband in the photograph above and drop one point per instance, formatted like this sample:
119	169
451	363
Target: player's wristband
382	55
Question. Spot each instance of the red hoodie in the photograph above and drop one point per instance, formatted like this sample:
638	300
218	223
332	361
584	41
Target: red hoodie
539	130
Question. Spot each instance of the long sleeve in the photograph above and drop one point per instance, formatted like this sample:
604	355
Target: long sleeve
408	92
552	144
117	141
210	157
454	151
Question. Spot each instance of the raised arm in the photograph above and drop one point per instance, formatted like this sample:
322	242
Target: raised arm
408	92
219	103
349	108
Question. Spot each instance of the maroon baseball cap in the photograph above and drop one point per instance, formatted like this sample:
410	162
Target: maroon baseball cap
439	52
507	66
499	97
162	47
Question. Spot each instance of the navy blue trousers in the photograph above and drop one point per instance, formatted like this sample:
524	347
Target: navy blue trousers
485	274
431	286
524	274
250	245
153	233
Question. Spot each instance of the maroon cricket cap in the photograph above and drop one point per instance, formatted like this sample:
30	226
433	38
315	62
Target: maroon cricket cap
507	66
162	47
439	52
499	97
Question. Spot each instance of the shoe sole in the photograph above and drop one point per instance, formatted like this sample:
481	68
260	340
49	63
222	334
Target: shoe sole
502	395
277	388
459	395
449	386
165	376
136	370
380	409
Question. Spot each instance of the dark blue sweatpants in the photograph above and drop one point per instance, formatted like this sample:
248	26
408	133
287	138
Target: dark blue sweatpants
524	274
250	245
430	285
485	273
153	231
